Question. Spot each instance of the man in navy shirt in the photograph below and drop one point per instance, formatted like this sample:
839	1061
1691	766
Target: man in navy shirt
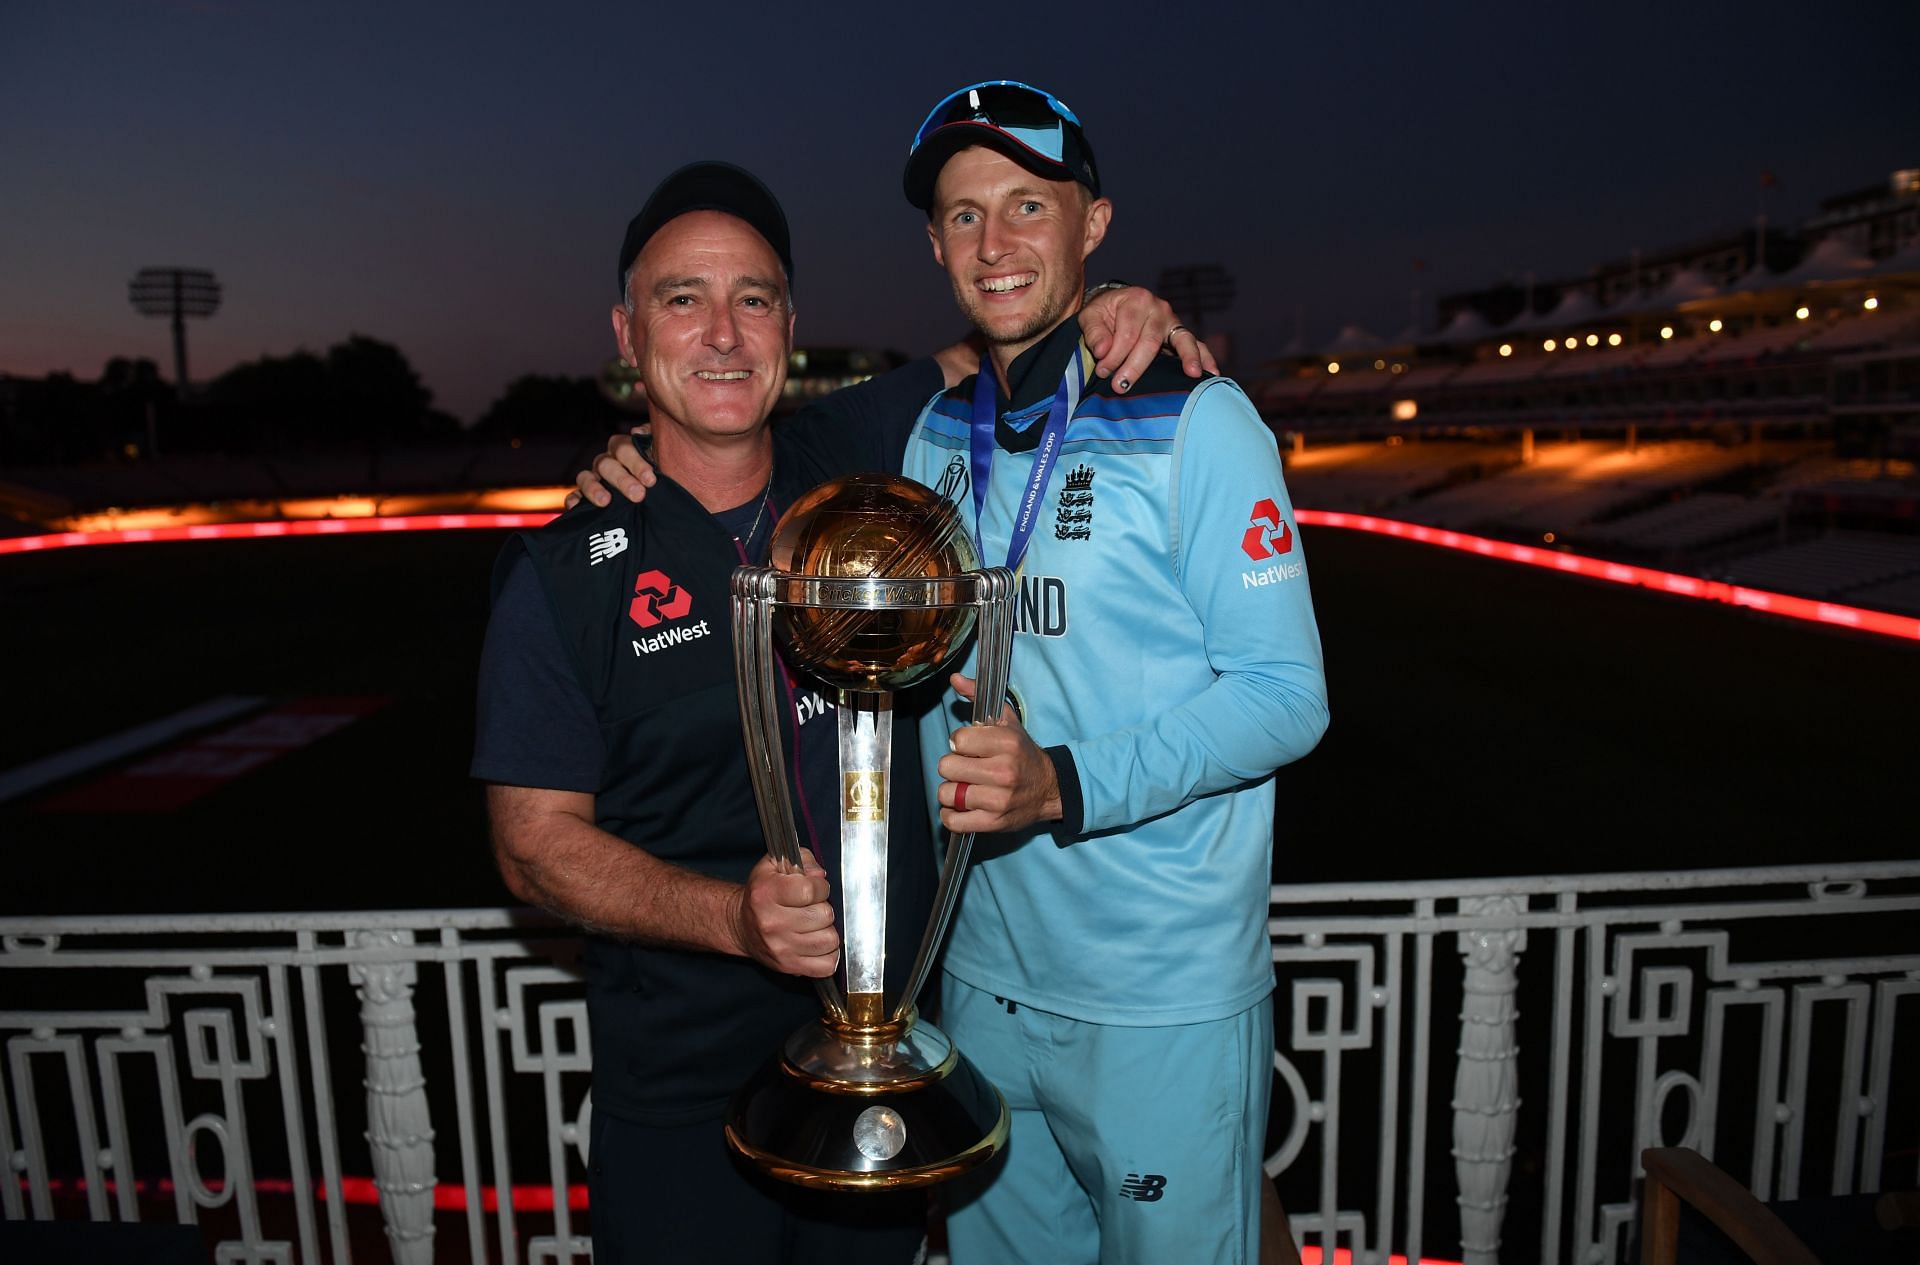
609	737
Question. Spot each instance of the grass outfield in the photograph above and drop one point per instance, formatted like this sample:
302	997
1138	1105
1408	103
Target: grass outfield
1488	719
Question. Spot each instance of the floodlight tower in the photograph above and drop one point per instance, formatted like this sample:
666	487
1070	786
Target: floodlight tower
178	293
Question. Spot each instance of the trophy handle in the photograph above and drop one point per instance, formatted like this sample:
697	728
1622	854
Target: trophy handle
757	670
994	654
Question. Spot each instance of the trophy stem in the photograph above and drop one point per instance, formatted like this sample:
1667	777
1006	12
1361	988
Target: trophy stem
866	760
992	654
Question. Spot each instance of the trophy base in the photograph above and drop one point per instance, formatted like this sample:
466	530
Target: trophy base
884	1110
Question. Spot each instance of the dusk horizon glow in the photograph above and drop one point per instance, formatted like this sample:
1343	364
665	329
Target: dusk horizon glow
455	182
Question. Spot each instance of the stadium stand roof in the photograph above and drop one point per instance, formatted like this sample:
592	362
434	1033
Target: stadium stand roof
1829	261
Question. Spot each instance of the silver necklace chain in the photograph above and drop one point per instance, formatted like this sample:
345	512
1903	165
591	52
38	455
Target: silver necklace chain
764	498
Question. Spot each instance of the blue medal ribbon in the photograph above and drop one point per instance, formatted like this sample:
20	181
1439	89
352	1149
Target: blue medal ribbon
986	411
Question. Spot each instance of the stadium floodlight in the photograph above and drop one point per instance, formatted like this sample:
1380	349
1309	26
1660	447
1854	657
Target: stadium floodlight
177	293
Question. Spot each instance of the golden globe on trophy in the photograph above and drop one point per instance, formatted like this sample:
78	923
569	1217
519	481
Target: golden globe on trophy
874	585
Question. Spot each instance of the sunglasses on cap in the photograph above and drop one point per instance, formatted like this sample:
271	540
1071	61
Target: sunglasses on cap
1028	115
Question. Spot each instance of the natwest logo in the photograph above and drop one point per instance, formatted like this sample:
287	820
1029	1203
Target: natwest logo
1269	536
656	599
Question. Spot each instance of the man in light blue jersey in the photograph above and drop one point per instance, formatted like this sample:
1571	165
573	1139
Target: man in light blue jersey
1108	967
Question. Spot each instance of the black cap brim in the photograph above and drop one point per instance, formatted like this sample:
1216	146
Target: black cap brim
925	163
708	186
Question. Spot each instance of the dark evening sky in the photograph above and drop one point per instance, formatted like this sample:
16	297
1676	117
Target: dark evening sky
455	179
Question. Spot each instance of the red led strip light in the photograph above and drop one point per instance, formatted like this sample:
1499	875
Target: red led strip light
1812	610
282	527
448	1197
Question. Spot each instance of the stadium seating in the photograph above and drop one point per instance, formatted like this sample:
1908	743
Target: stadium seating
1830	566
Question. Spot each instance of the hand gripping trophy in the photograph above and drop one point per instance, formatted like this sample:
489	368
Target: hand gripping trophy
874	585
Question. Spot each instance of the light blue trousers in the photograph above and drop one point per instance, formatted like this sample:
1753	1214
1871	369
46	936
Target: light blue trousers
1130	1146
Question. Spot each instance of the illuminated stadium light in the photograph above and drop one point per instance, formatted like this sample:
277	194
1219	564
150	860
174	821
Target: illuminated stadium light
1506	349
1802	312
1379	364
1549	345
1871	303
1398	367
1666	331
1405	410
1333	366
1572	343
1593	340
1613	340
1714	325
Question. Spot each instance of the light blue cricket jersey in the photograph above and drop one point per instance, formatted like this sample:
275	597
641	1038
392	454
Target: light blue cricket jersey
1166	638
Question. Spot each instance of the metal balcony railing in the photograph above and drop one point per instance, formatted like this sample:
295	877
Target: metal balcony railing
1458	1062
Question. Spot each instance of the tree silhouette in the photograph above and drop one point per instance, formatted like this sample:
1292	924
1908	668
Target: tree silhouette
535	405
373	394
362	394
272	404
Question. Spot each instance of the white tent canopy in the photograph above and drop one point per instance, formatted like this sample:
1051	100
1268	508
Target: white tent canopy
1466	326
1574	306
1754	279
1350	340
1903	261
1688	285
1831	260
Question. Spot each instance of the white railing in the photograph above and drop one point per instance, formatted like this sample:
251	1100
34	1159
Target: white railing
1642	989
241	1020
1753	1014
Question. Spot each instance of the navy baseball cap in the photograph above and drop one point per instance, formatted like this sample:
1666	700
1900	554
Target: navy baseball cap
708	186
1029	125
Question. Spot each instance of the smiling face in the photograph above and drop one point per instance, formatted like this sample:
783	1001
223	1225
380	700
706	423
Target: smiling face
710	328
1014	245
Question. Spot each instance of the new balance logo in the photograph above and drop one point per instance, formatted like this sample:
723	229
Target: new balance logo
1144	1187
605	544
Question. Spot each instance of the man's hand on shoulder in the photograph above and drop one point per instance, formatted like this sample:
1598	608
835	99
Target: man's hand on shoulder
620	468
784	921
1127	326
